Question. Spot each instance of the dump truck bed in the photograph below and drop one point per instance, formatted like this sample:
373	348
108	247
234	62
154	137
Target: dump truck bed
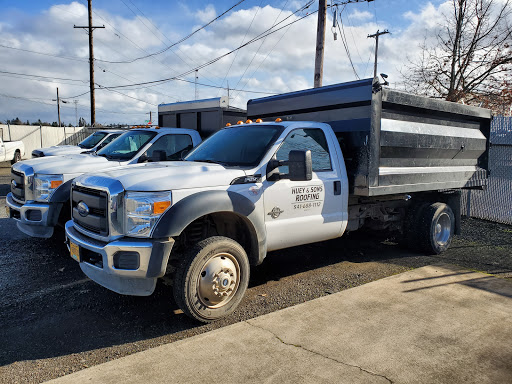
392	141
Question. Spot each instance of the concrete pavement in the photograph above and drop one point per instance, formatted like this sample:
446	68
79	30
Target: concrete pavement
436	324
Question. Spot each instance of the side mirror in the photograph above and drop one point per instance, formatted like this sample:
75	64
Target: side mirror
158	155
300	166
143	158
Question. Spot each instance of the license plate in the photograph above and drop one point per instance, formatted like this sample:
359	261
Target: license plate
74	249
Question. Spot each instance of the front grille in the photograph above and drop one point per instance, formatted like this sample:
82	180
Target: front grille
18	185
96	220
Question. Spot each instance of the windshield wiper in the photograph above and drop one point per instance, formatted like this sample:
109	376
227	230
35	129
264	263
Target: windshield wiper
210	161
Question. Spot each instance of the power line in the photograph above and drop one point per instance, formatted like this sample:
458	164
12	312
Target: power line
76	58
44	77
179	41
260	36
345	44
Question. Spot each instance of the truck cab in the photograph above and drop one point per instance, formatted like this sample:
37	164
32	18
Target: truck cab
39	197
11	151
92	143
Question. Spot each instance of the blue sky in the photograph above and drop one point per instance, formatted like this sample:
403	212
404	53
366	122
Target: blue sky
282	62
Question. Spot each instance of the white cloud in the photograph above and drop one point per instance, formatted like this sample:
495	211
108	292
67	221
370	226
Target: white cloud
282	62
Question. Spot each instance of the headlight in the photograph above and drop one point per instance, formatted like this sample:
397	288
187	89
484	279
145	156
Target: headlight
143	209
45	185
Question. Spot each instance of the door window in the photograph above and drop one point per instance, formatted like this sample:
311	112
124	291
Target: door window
312	139
173	145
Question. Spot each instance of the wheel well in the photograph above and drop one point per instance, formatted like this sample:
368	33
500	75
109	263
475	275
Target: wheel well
228	224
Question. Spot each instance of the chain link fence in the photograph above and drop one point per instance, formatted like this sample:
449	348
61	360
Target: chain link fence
494	203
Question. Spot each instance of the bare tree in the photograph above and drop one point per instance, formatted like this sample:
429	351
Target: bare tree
471	58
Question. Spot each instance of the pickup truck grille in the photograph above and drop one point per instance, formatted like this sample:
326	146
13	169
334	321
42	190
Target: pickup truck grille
18	185
96	201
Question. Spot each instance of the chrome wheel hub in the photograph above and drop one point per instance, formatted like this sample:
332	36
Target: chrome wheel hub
219	280
442	229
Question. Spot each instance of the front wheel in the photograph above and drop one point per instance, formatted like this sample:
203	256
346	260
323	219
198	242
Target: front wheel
436	227
211	279
16	158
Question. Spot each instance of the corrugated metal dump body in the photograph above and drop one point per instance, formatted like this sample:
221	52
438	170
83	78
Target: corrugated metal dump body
392	142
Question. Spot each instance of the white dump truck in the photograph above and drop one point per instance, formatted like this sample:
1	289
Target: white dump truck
330	160
92	143
39	197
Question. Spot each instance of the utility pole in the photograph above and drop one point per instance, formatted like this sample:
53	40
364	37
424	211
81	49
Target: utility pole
76	111
320	40
58	100
197	92
150	117
320	36
90	28
376	36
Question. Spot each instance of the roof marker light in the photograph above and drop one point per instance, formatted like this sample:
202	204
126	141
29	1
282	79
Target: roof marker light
228	125
239	122
278	120
259	121
248	122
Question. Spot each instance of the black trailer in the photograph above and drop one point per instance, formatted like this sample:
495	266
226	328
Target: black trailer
392	141
206	116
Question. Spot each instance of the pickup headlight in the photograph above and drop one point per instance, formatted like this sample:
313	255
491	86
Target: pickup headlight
143	209
45	185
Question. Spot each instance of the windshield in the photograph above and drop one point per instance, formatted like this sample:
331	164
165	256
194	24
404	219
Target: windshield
127	145
243	146
92	140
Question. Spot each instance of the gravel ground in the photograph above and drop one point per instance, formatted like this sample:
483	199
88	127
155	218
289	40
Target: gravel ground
55	321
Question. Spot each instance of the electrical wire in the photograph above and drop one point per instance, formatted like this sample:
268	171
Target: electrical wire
344	40
260	36
76	58
175	43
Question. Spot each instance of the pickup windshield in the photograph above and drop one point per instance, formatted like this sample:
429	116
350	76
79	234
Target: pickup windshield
127	145
92	140
237	146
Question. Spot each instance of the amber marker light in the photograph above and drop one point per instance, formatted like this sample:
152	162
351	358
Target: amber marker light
160	207
278	120
259	121
55	183
239	122
228	125
248	122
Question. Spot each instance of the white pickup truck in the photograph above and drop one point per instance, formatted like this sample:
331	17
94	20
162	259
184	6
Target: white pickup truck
92	143
39	197
11	151
386	161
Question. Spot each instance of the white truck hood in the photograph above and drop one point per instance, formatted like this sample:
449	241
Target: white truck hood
57	150
165	176
69	164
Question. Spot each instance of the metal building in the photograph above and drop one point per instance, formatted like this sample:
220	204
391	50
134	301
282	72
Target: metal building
206	116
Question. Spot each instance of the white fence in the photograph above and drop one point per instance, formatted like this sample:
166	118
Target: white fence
34	137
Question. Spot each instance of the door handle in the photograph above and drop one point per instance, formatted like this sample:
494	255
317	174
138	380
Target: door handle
337	187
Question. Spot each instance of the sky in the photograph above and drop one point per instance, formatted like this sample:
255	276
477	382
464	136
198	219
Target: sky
132	49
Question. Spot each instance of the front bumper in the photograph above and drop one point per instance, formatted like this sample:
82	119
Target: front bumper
34	219
98	261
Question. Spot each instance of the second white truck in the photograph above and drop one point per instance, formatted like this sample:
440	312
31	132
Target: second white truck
39	197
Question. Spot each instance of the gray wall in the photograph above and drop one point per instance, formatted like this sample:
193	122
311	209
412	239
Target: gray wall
34	137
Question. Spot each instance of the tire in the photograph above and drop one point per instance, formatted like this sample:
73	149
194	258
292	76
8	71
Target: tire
16	158
211	279
435	228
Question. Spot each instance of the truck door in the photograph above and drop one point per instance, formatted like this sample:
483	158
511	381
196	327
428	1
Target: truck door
301	212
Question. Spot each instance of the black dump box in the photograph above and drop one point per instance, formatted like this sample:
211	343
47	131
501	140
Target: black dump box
392	141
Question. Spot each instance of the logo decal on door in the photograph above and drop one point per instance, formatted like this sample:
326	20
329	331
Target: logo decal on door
275	212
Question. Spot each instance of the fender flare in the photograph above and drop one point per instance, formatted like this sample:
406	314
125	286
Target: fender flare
185	211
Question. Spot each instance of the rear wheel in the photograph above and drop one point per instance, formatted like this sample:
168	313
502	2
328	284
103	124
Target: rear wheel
211	279
435	228
16	158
